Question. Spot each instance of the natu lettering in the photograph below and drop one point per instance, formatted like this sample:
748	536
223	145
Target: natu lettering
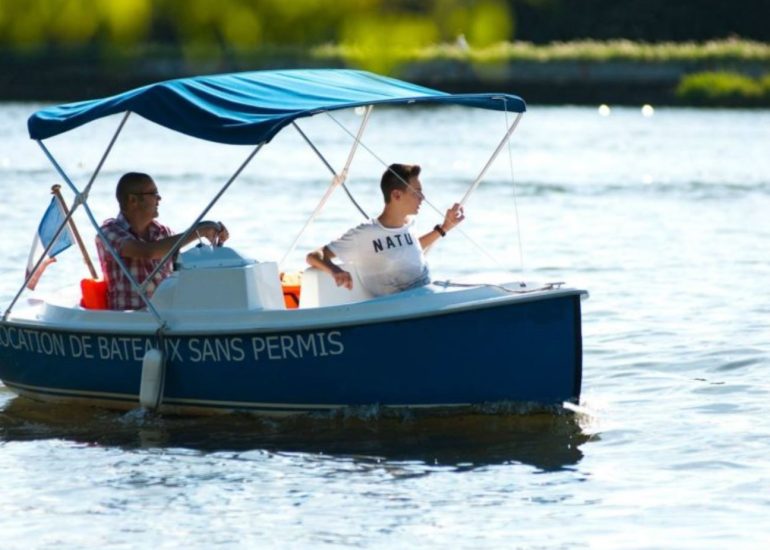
403	239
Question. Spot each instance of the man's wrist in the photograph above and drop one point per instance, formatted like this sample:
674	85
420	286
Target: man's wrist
440	230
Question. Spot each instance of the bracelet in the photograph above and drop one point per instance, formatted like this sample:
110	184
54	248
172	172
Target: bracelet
440	231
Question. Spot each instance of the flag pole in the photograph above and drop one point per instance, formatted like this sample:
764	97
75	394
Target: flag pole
56	192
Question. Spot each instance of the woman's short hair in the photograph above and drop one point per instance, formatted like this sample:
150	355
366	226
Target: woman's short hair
397	176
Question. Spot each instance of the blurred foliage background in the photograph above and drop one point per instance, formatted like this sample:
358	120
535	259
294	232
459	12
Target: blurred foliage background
205	31
246	24
372	25
180	37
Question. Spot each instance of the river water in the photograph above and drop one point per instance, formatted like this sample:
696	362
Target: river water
663	218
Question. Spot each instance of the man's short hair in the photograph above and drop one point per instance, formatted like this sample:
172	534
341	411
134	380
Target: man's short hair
396	177
130	182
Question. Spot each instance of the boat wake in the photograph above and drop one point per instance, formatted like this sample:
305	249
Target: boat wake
495	433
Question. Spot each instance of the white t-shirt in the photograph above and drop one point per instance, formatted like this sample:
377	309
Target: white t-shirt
387	260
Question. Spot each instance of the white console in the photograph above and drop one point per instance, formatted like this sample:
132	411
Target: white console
219	278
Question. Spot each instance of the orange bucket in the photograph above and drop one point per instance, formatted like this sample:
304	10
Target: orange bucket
291	284
94	293
291	296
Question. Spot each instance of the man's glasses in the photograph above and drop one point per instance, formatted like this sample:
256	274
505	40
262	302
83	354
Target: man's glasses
153	193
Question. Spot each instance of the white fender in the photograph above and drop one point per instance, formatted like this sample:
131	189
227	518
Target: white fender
151	386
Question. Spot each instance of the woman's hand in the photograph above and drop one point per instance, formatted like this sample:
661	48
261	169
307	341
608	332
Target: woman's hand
343	278
453	216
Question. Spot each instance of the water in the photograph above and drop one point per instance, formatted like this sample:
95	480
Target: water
662	218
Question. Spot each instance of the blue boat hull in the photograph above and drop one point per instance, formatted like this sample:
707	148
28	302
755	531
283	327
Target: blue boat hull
527	351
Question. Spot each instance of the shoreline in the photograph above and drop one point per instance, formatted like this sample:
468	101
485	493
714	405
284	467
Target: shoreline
581	82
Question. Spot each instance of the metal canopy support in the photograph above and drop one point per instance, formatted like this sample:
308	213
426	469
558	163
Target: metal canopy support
506	138
337	179
474	185
344	174
383	163
38	263
190	229
80	198
492	158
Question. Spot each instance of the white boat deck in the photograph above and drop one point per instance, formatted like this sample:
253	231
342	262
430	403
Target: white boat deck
434	299
218	290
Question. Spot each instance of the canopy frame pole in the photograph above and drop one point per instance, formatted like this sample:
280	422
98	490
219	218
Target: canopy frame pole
314	148
384	164
183	238
42	257
342	175
103	159
506	138
351	154
492	158
80	198
337	179
83	197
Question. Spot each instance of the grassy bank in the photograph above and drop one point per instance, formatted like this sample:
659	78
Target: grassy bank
584	72
724	89
718	73
730	50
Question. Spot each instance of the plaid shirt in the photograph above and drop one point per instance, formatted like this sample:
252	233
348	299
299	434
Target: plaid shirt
120	295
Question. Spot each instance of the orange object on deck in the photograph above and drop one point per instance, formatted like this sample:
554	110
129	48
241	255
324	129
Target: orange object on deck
291	296
94	293
291	284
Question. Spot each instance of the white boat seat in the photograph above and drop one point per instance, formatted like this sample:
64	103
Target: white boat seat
320	290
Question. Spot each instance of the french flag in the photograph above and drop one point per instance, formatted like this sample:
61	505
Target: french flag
52	219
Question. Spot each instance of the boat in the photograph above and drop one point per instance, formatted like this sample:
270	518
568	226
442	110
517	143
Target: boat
252	345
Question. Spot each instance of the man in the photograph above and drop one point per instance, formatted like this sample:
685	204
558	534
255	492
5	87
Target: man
141	241
386	252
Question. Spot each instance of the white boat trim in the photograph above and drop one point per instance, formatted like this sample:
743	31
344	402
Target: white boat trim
412	304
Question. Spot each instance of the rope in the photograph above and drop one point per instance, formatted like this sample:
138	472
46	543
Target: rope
344	174
337	179
515	197
478	246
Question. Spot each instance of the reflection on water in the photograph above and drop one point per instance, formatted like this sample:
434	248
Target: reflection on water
545	441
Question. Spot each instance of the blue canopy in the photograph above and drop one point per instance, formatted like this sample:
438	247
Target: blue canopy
252	107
